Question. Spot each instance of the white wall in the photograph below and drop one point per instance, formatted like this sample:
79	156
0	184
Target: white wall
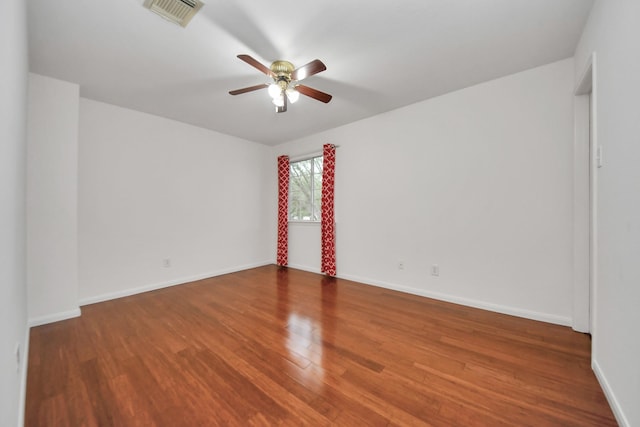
13	294
613	33
478	181
152	188
52	193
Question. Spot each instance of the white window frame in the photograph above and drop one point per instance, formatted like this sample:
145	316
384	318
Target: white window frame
313	191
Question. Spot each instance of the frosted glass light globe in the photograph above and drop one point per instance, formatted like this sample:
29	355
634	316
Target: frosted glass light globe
293	95
278	101
274	91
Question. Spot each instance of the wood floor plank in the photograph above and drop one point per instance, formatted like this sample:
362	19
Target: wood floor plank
277	346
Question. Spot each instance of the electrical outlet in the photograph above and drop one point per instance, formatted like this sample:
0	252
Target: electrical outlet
435	270
400	265
166	263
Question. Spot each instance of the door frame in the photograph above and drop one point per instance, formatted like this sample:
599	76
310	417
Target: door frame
585	219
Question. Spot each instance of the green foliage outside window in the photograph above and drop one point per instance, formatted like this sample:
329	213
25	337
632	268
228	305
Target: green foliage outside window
305	189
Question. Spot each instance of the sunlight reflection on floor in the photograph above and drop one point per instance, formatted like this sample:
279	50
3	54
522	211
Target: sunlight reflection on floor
299	343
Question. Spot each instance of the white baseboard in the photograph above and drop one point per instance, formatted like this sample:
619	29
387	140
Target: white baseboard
23	378
497	308
527	314
174	282
503	309
305	268
608	392
55	317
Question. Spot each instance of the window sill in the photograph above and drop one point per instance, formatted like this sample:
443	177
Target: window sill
294	222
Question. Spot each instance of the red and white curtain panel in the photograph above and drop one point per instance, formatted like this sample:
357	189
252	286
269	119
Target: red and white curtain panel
283	211
328	236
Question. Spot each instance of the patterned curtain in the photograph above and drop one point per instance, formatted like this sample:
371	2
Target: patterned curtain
283	210
328	263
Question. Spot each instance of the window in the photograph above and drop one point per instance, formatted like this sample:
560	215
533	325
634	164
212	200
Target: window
305	189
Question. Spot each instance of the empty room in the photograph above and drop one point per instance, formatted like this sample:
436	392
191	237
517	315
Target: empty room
240	213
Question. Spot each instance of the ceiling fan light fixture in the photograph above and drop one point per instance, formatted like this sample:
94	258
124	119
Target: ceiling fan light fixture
278	101
293	95
274	90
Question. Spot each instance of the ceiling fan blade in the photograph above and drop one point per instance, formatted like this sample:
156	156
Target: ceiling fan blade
313	67
248	89
257	65
313	93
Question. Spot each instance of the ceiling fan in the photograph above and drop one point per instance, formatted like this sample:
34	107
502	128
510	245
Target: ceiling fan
285	87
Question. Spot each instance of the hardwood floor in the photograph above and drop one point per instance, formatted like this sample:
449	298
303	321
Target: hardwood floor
272	346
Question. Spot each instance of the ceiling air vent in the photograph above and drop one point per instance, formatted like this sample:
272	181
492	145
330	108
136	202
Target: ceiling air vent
178	11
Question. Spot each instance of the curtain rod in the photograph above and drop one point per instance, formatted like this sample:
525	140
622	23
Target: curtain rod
308	155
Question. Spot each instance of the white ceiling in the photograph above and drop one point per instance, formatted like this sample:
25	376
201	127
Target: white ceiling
380	55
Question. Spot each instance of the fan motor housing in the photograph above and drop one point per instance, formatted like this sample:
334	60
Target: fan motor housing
282	68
